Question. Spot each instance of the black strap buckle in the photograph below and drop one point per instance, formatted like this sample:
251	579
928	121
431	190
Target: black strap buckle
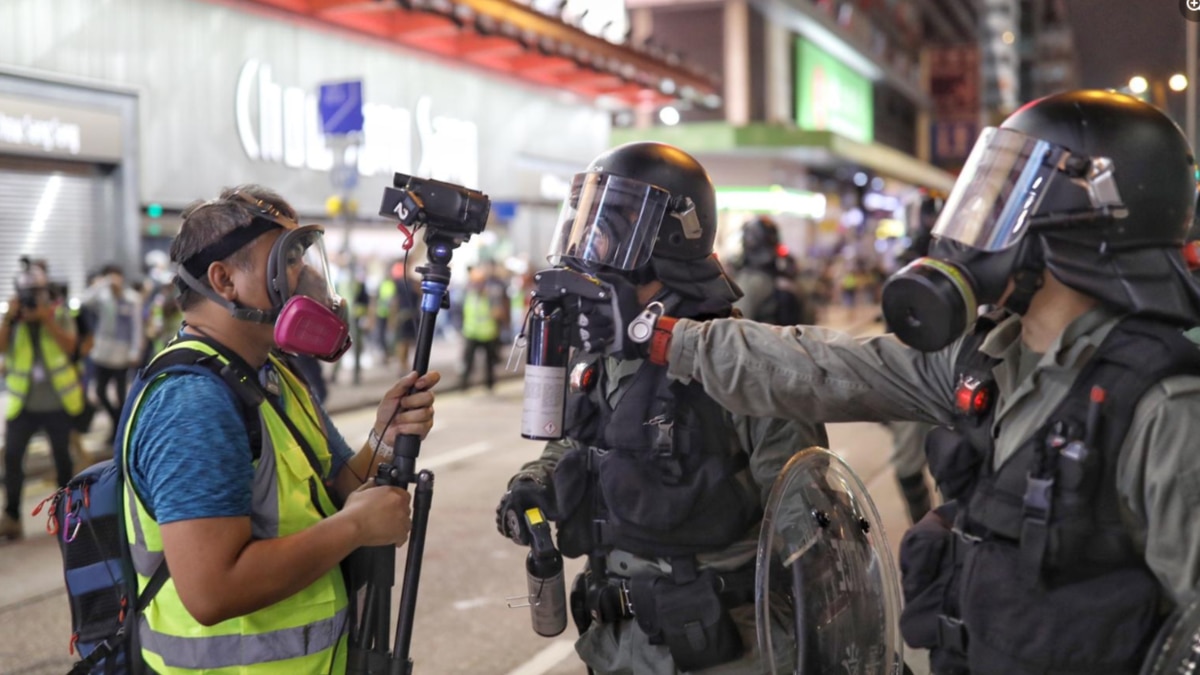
1039	495
1035	529
952	634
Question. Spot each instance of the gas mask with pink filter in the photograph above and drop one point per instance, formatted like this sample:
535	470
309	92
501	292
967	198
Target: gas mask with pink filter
310	318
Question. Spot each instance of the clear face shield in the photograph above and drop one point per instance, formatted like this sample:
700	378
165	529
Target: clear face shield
608	221
299	266
1006	181
313	319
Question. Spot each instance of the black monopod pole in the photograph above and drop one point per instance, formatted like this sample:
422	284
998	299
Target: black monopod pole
372	653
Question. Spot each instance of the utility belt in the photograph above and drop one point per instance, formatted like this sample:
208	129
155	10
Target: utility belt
687	609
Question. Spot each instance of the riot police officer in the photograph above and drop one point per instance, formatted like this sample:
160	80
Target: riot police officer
657	484
1070	459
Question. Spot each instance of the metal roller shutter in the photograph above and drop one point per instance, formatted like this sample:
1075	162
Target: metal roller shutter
52	216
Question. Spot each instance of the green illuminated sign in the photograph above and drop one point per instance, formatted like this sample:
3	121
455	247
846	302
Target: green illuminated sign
831	96
154	210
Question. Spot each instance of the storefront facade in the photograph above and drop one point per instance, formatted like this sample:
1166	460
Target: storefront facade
211	96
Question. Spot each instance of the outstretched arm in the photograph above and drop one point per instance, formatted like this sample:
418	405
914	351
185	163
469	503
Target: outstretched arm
809	373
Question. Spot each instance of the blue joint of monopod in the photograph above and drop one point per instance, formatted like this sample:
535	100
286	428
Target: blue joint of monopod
431	298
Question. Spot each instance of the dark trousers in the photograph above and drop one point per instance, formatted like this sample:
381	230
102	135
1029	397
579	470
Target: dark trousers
103	377
490	350
17	433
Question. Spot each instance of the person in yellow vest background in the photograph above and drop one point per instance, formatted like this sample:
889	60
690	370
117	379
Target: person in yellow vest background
38	340
485	313
251	531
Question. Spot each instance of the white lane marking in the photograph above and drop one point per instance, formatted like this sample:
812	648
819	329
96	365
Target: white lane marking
465	452
472	603
543	661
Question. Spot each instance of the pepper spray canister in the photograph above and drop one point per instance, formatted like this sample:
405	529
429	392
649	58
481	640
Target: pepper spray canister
546	352
544	575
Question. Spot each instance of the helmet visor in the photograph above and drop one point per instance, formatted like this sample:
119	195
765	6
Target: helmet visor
1000	188
608	221
299	266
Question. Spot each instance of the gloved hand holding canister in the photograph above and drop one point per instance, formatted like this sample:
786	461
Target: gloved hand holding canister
525	491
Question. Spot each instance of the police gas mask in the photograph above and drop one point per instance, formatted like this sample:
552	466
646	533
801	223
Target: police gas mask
1011	184
309	317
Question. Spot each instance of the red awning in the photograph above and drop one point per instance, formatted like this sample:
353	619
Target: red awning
508	37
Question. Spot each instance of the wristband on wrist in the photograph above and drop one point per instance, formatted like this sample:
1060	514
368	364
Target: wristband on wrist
660	341
379	447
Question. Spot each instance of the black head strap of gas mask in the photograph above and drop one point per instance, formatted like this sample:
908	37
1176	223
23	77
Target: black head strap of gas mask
195	268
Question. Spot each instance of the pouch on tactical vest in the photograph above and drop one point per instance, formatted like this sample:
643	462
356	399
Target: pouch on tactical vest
645	476
688	617
930	566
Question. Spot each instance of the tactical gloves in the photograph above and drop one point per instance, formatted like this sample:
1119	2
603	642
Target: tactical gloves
525	491
600	322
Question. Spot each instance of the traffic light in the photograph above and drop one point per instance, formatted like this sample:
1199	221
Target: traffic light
154	211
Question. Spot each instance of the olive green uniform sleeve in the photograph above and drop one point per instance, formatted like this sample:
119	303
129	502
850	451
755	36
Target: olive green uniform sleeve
771	442
1159	480
811	373
542	468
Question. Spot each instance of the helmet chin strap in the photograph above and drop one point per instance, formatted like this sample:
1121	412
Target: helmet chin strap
262	316
1028	276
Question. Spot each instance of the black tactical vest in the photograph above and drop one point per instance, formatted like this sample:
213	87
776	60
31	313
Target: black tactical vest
1040	575
658	475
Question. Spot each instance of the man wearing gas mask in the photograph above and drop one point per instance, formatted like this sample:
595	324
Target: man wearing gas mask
658	485
1070	464
239	487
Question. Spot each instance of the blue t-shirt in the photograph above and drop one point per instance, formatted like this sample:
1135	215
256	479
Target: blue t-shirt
190	454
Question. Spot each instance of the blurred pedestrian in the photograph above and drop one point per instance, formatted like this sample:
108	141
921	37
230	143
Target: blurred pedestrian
408	309
383	315
485	309
118	337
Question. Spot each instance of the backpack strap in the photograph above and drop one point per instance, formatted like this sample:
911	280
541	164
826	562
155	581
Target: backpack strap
236	375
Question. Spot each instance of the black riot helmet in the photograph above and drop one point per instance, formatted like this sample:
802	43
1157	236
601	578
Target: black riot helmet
760	243
646	210
1093	186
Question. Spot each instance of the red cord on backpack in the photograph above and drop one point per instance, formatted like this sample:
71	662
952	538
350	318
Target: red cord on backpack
71	646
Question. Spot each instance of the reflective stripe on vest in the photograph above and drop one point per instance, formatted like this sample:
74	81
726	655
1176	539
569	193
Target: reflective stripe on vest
63	375
301	633
226	651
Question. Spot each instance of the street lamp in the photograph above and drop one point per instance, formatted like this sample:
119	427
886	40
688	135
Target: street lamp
1178	82
1138	85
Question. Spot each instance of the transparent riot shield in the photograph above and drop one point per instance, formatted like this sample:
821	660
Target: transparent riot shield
1177	648
827	594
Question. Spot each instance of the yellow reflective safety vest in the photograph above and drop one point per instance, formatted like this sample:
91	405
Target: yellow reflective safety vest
62	372
479	322
305	633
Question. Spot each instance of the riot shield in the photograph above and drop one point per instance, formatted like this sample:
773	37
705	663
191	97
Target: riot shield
1177	647
827	596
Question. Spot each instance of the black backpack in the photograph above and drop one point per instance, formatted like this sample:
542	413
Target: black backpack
88	519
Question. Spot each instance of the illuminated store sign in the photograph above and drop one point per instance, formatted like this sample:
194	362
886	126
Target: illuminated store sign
281	125
831	96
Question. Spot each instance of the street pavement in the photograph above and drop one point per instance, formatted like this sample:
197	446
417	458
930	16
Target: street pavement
463	623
